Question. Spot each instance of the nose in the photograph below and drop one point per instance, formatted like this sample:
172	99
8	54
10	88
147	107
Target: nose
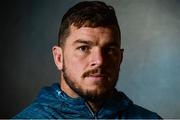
97	58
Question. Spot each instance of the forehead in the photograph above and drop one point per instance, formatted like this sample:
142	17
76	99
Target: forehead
97	34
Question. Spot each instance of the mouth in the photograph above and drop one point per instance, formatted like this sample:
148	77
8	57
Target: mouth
97	77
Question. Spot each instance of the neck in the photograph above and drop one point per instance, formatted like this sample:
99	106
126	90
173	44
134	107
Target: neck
65	87
94	106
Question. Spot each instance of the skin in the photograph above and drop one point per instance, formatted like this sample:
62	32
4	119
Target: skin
89	63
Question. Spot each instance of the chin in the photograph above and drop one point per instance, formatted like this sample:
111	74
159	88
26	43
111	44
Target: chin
96	89
96	93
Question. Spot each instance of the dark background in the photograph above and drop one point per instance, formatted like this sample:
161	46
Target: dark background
150	72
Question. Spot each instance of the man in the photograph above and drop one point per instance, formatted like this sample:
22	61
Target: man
88	55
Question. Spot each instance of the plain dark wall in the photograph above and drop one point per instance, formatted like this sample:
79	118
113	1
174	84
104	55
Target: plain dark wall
150	72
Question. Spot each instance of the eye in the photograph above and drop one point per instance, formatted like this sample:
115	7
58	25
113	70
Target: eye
84	48
111	50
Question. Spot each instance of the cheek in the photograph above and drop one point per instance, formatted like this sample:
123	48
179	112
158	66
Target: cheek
74	65
114	68
115	62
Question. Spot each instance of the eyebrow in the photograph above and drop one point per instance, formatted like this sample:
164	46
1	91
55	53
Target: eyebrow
88	42
115	44
83	42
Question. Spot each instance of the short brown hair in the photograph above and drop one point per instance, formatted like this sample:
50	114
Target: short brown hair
88	14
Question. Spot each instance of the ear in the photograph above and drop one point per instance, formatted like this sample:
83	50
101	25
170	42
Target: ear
58	56
121	55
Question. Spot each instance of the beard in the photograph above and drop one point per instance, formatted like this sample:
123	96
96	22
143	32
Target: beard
103	91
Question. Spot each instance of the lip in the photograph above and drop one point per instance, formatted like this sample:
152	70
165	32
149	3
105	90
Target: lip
97	77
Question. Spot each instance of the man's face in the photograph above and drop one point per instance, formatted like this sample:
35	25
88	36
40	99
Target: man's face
91	61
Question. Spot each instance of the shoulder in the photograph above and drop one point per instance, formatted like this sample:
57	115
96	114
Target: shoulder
138	112
33	111
129	110
44	106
